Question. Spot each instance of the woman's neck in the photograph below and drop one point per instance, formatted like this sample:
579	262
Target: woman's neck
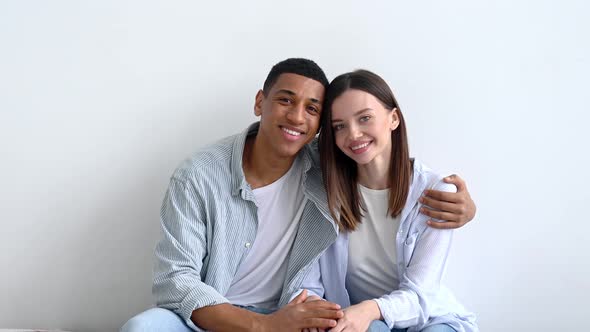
374	175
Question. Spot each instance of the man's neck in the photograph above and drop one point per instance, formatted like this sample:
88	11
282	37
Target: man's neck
260	168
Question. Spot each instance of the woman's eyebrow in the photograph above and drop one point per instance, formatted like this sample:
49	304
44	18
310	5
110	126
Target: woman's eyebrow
355	113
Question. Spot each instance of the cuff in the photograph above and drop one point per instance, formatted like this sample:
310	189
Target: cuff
196	299
386	312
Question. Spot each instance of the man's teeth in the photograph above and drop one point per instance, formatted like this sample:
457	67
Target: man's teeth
291	132
360	146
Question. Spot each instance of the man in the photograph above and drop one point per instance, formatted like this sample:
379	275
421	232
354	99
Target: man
244	218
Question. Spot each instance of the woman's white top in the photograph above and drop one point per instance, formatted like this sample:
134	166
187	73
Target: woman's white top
372	263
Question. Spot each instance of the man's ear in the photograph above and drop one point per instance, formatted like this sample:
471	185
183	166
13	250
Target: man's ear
258	103
394	119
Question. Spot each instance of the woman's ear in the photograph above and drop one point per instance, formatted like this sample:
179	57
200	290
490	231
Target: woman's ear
394	119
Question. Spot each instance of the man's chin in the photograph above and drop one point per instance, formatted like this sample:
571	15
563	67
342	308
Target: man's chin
291	151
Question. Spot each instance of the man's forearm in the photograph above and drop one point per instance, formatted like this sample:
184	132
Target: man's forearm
226	317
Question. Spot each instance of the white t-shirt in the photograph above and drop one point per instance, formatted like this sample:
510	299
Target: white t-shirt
259	279
372	269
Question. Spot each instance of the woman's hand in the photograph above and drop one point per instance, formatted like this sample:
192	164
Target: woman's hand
358	317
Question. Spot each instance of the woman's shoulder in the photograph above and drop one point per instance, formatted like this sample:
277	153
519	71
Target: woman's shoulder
424	178
427	178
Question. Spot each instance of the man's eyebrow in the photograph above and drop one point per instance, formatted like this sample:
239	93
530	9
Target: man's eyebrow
291	93
355	114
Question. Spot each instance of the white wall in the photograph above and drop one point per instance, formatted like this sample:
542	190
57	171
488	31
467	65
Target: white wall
99	101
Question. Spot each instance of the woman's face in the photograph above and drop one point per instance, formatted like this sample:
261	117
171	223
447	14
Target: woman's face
362	127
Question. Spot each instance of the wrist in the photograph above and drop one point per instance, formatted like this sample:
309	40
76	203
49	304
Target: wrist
262	323
372	309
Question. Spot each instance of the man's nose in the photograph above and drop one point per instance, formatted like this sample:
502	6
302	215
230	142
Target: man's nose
296	114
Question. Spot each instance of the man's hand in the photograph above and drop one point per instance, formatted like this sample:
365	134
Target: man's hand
456	209
311	299
358	317
299	315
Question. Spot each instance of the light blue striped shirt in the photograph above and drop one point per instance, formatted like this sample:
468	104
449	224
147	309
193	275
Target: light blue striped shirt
209	221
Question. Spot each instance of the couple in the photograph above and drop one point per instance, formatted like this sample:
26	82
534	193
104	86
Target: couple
253	237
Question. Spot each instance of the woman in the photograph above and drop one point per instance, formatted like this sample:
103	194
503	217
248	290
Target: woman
386	262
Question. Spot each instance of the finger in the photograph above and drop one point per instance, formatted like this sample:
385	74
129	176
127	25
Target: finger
440	215
324	313
445	196
457	181
440	205
320	323
339	327
300	298
445	225
313	298
322	305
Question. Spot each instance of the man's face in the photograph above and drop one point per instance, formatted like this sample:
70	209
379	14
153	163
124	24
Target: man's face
290	114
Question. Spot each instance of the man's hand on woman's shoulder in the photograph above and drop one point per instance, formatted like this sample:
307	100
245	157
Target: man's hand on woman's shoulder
456	209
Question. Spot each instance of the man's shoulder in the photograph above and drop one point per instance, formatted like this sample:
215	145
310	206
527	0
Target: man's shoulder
211	160
313	150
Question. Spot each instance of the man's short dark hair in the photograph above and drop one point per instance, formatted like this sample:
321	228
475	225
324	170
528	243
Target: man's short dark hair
299	66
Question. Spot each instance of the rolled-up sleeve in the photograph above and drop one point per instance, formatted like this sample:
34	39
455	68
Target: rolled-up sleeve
179	254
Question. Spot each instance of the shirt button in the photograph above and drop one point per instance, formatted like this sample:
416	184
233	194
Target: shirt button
247	245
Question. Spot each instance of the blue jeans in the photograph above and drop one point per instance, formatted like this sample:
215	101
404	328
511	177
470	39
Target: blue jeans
380	326
162	320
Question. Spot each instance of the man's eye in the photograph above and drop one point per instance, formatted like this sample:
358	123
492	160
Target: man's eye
313	109
285	100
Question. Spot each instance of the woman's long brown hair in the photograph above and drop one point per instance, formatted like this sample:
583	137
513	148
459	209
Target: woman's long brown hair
340	172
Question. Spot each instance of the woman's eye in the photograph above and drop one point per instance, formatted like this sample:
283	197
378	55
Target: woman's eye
338	127
365	118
